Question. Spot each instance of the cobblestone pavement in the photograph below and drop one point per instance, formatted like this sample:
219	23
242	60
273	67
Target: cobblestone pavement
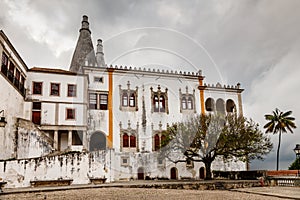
138	193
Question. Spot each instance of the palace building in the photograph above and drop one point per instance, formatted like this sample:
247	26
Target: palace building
109	120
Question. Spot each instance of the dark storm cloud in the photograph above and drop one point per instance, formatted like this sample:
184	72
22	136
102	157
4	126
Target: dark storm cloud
256	42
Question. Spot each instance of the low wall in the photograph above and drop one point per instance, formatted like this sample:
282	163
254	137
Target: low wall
76	166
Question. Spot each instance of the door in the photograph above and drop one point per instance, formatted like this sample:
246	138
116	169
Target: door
202	172
36	117
141	175
173	173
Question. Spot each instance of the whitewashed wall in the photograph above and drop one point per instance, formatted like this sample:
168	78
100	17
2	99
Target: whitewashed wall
12	102
79	167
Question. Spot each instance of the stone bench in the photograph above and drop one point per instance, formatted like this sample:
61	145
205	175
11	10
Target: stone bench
97	180
2	183
58	182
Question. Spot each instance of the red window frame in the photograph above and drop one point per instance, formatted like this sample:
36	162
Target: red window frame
37	88
54	89
72	90
70	113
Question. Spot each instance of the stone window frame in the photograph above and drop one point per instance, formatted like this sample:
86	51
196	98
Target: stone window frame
160	98
129	93
186	96
123	158
130	132
160	133
189	163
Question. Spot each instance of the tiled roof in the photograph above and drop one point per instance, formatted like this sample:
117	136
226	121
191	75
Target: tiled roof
49	70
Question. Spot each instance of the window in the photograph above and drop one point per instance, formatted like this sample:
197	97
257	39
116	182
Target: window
132	100
159	104
160	140
4	64
125	140
210	104
156	142
103	101
220	106
17	78
159	100
36	105
132	141
190	103
70	113
187	101
36	112
37	88
183	102
125	100
230	105
72	90
124	161
128	98
11	70
54	89
98	101
93	101
98	79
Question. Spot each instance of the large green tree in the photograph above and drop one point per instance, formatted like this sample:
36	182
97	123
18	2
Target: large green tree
202	138
279	122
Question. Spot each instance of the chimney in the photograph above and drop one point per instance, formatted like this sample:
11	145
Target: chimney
84	50
100	54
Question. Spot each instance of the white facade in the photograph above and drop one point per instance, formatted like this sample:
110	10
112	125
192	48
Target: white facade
119	115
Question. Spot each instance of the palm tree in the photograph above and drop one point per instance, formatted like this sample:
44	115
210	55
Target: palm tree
279	122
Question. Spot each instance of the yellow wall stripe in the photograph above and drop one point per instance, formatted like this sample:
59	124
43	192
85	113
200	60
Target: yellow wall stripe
201	96
110	108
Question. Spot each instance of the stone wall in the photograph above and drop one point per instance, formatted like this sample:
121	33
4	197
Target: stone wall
77	166
31	142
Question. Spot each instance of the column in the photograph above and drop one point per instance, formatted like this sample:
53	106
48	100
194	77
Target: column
69	139
55	144
84	140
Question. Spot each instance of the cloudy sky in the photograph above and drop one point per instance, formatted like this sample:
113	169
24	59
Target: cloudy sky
254	42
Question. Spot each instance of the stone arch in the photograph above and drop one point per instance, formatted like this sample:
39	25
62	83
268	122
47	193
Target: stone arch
98	141
174	173
230	105
202	173
220	106
210	104
140	173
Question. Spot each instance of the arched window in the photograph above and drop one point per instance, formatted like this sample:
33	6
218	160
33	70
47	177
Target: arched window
190	103
183	102
161	104
125	140
220	105
230	105
210	104
156	103
132	141
132	100
125	99
163	140
156	142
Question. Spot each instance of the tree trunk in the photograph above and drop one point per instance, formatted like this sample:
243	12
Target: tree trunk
208	170
278	148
